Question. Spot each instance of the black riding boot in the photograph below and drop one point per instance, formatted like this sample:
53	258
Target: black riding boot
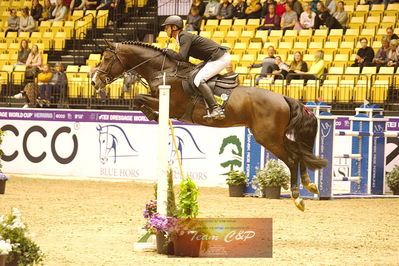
217	112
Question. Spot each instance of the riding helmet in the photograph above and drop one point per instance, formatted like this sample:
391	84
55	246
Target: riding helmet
173	20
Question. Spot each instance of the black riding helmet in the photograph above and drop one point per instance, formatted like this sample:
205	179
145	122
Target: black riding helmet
173	20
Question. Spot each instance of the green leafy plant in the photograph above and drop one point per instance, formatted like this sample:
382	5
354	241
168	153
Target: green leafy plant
273	175
187	206
393	178
24	250
236	178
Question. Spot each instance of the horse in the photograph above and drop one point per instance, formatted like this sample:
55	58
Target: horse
280	124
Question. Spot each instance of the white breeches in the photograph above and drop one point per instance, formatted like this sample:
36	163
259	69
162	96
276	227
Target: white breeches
212	68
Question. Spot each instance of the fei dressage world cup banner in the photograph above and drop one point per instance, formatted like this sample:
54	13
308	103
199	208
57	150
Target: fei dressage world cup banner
112	145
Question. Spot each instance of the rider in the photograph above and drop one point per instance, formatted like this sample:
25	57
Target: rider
215	56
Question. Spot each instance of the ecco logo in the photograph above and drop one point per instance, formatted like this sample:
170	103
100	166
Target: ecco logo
42	131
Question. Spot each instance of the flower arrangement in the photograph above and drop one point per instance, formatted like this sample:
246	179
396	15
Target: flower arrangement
5	247
23	249
393	179
236	178
274	174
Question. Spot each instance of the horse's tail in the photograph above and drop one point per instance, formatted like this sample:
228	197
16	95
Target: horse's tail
300	135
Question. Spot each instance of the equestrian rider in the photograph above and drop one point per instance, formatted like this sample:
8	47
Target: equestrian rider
215	56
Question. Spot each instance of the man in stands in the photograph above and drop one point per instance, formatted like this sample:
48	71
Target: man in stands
365	54
267	65
216	57
13	21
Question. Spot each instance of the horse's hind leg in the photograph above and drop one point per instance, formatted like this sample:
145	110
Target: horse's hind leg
293	166
305	180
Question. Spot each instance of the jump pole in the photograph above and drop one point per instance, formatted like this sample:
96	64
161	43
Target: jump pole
163	147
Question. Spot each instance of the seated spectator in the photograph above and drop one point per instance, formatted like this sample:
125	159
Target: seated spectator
36	10
78	4
212	9
104	5
393	54
324	19
297	66
282	70
280	8
225	10
265	7
341	15
289	18
296	6
313	5
267	65
331	6
239	9
200	5
23	52
373	2
380	58
59	82
47	11
194	20
254	9
365	55
391	35
306	20
33	63
317	67
59	11
26	22
43	80
90	4
13	21
271	21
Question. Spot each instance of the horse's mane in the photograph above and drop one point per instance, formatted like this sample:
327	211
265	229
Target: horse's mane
150	46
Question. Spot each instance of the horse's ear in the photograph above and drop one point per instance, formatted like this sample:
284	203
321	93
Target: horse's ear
109	44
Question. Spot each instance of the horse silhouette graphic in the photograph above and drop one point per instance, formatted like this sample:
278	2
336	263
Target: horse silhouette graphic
186	145
114	143
232	144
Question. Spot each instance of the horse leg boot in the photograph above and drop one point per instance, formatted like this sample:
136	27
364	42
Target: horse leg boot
305	180
149	113
217	112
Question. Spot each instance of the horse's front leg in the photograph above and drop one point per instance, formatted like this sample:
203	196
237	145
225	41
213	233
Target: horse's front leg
147	105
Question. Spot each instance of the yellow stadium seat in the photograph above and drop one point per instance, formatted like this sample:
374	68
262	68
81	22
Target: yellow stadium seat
335	35
308	58
261	35
369	70
351	72
360	91
235	59
59	41
295	89
387	21
379	91
300	46
102	18
320	35
13	47
330	47
266	46
356	22
314	46
240	47
232	36
205	34
392	9
252	24
265	83
346	47
239	24
93	60
367	32
218	36
254	47
247	59
275	35
162	37
372	22
227	44
327	91
341	59
18	75
290	35
305	35
345	90
351	35
385	73
44	26
211	24
77	14
255	71
225	24
284	47
242	70
246	35
335	73
7	68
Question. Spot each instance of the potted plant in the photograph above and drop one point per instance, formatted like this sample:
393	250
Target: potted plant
393	180
237	181
24	250
5	249
269	180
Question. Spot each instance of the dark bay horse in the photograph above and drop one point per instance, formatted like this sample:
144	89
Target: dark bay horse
280	124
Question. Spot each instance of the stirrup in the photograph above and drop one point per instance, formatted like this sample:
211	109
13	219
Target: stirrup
217	114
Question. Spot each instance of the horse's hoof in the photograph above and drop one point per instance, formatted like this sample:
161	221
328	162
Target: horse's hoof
312	188
300	204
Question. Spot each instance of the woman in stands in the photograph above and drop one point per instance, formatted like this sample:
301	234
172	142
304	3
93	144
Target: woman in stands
380	58
393	54
306	20
289	18
341	15
26	22
36	10
33	63
317	67
23	52
272	20
200	5
391	35
324	19
239	9
59	11
297	67
254	9
47	11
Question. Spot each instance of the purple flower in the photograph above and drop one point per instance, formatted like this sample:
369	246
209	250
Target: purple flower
150	209
158	223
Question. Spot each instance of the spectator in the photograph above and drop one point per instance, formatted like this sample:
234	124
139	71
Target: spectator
267	65
365	55
13	21
59	83
381	56
90	5
289	18
33	63
265	7
317	67
43	80
313	5
297	66
47	11
280	8
393	54
331	6
271	21
239	9
372	2
225	10
26	22
254	9
296	6
194	20
282	70
23	52
103	4
200	5
341	15
116	9
78	4
391	35
306	20
59	11
211	9
67	3
324	19
36	10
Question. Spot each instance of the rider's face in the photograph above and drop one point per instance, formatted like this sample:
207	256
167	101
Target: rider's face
168	29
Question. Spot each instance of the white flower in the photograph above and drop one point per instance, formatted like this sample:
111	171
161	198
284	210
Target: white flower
16	212
5	247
